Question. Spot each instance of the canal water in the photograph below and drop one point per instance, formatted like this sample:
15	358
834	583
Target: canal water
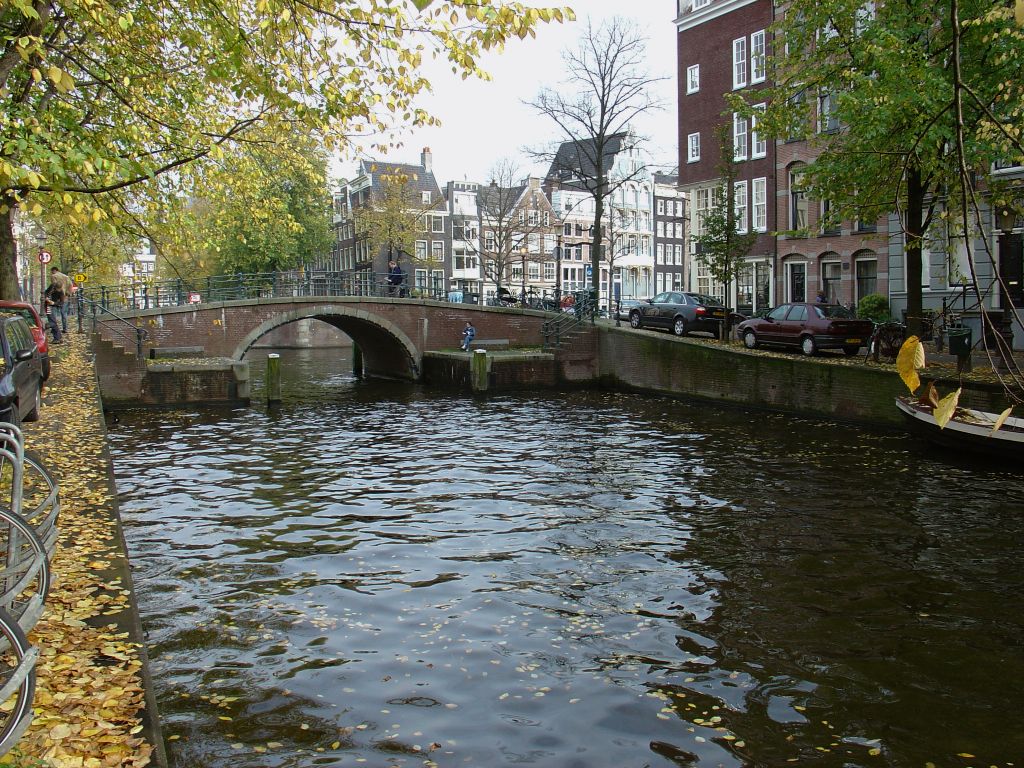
376	574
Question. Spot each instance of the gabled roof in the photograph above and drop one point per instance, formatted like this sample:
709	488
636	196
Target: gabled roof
579	158
490	196
419	179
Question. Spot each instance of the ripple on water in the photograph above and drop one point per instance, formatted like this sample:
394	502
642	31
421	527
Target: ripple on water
384	574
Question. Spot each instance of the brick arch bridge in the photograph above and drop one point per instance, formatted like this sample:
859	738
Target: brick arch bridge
393	334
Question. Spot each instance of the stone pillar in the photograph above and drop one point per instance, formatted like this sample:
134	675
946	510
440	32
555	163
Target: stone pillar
357	361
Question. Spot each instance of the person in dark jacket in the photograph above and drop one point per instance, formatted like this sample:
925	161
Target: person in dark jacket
53	298
468	334
395	278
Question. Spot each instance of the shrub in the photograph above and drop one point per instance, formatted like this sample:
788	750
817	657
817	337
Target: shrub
875	307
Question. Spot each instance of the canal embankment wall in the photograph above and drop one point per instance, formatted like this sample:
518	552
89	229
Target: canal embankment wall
829	387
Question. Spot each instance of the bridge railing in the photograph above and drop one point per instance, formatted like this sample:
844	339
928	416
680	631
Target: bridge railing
272	285
584	310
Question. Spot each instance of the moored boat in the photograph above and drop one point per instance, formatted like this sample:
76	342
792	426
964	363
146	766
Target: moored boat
968	429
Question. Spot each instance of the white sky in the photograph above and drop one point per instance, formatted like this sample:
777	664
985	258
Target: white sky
484	122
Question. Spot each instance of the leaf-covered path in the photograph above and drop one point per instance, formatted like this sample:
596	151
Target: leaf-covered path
90	702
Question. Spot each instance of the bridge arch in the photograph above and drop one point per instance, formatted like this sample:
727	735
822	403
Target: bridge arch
387	349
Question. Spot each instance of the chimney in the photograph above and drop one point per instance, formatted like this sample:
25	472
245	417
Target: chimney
425	160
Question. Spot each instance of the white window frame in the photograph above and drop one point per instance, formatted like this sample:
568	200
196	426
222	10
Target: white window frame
759	202
698	4
661	207
692	79
437	224
741	203
758	144
659	254
549	271
758	57
421	250
693	148
425	196
739	63
437	250
739	136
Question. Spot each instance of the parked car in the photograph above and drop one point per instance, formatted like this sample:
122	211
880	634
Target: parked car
680	312
808	326
625	306
21	371
35	324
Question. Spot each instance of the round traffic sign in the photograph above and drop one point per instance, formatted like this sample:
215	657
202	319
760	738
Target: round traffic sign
45	257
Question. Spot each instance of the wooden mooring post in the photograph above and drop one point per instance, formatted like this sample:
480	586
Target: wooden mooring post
273	378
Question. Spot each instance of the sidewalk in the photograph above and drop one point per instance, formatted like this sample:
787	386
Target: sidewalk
93	708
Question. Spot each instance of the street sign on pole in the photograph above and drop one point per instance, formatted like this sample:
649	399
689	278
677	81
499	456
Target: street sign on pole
80	277
45	257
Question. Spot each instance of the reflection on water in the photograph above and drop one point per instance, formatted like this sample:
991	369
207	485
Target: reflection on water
376	573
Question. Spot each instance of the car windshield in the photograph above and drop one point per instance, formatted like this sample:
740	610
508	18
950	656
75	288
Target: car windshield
834	310
706	300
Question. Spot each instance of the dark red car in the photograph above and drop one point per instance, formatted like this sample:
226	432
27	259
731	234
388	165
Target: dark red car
808	326
35	324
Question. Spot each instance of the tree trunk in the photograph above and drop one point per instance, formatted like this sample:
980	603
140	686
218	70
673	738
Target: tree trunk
913	228
595	246
9	289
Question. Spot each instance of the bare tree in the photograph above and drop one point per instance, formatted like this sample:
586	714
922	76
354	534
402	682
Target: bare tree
607	88
505	225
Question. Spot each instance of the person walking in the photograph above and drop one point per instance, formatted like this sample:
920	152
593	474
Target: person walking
468	334
66	285
395	278
53	298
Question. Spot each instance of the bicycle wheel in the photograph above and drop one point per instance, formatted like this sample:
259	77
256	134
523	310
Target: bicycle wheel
890	339
17	681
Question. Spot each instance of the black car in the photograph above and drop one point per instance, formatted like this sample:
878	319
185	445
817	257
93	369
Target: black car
680	312
21	371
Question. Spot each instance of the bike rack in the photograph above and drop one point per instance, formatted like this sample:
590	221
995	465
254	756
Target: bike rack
31	538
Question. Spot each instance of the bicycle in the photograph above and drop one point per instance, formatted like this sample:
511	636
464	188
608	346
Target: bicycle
886	339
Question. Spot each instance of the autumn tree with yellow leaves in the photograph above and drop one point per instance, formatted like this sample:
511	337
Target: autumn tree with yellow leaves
102	99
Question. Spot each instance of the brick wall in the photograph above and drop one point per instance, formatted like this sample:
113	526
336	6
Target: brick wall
660	363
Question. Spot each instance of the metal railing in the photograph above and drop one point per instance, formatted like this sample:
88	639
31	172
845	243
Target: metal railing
560	328
28	537
116	325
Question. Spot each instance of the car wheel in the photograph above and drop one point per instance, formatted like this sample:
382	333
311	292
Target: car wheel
679	326
850	351
808	346
37	403
635	320
749	339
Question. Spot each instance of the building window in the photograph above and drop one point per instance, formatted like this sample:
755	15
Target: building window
693	78
549	270
534	218
437	224
758	144
425	197
703	204
740	198
739	63
437	250
831	274
661	207
796	284
489	242
421	279
757	57
693	148
865	225
867	278
739	136
827	120
829	224
797	201
698	4
533	271
760	194
659	253
421	250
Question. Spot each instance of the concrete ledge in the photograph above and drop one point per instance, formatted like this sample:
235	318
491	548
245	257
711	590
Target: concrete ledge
165	352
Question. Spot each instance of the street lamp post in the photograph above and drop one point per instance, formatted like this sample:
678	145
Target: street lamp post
558	272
